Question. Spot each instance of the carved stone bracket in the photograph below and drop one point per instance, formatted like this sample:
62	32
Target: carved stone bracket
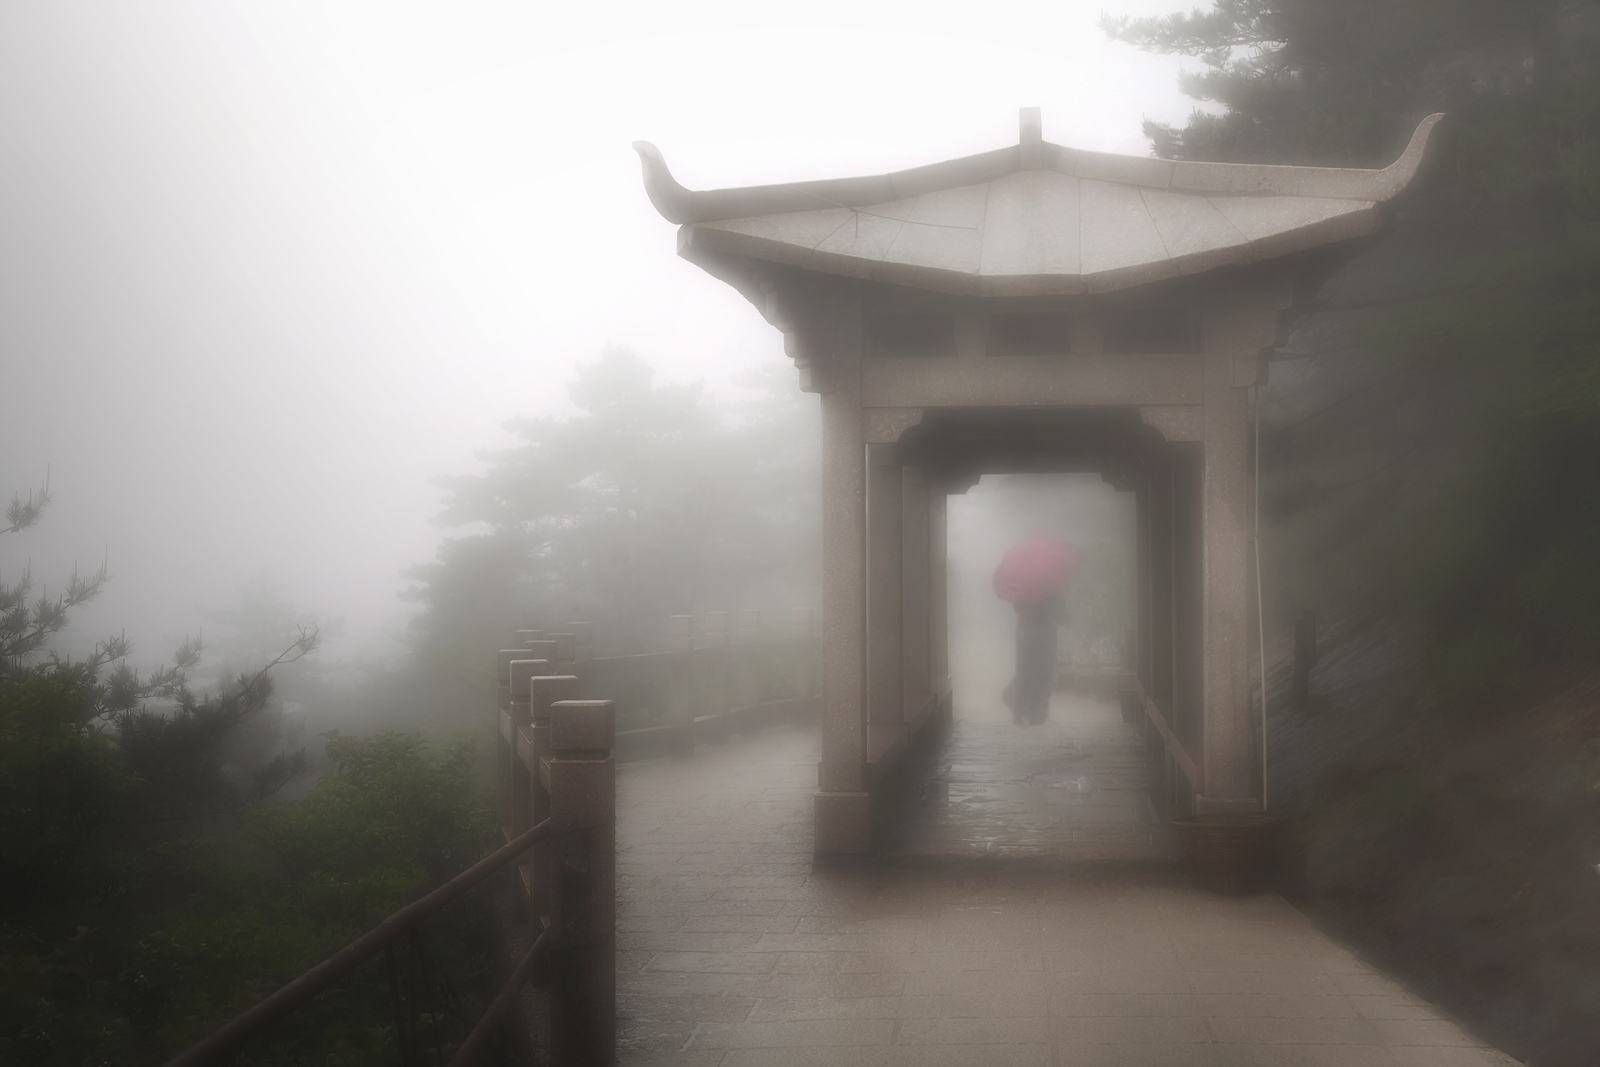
778	310
1175	422
885	425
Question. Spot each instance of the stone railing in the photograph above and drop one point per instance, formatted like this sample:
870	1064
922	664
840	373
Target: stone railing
558	809
557	748
556	767
721	674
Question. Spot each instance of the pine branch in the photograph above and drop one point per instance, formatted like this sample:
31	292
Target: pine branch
25	513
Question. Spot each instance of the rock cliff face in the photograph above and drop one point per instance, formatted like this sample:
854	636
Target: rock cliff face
1457	849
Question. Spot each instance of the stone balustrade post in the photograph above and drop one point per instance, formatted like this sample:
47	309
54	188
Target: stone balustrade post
566	647
544	692
583	641
580	775
539	648
505	739
520	808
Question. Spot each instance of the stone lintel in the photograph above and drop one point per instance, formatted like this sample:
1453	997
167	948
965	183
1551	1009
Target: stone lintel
1032	381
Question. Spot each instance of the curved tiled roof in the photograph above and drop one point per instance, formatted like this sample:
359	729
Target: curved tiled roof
1036	218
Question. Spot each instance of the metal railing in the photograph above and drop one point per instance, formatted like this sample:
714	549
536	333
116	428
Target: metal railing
555	772
565	860
232	1037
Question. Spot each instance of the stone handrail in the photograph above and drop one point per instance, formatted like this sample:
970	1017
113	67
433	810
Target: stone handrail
712	680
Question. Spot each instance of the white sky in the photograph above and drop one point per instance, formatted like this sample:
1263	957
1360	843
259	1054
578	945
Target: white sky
267	268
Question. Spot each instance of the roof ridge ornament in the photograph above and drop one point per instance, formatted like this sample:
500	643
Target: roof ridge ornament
1030	138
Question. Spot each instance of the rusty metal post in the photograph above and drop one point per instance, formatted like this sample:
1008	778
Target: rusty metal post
581	777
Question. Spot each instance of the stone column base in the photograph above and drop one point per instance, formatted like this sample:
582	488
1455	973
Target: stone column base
843	823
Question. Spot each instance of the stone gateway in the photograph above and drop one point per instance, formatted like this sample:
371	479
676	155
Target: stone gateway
1034	308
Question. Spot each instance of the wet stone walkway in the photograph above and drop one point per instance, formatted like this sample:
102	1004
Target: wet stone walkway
1070	789
733	952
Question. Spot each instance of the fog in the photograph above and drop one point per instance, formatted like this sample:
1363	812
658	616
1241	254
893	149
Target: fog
269	269
344	337
1004	510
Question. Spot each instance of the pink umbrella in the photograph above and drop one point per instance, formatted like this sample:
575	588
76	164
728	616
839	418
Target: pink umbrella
1034	570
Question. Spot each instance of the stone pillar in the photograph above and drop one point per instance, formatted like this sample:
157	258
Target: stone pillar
885	540
939	597
916	683
843	812
1225	757
583	915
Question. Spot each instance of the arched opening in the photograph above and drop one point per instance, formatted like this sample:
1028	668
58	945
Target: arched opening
1096	778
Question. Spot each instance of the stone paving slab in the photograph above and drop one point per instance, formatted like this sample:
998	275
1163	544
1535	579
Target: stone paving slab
1071	788
734	952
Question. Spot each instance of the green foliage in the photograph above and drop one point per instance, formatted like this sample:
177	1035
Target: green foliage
1334	81
1440	435
148	893
390	802
63	786
198	928
649	501
26	627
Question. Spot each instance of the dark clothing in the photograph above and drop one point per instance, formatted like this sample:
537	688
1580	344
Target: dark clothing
1036	657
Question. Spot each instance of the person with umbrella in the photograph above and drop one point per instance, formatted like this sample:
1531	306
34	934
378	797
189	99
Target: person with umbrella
1033	576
